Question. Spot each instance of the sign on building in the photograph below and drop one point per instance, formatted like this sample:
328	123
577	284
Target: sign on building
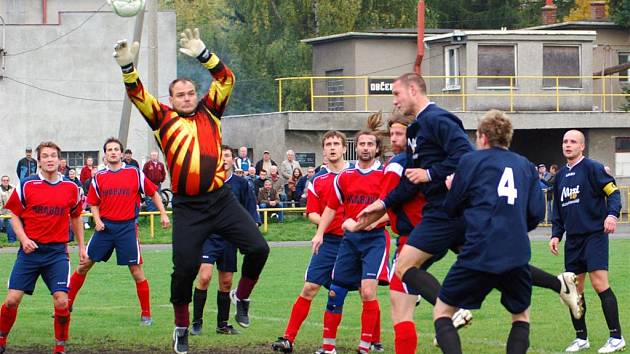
380	86
306	159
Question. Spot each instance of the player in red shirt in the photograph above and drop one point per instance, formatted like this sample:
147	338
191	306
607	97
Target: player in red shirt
41	207
362	255
114	199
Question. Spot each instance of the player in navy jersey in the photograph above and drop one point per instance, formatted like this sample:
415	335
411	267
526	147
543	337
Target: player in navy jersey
217	250
362	255
41	206
497	192
587	204
114	198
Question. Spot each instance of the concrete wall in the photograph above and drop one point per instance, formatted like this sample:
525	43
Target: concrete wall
81	92
31	11
609	43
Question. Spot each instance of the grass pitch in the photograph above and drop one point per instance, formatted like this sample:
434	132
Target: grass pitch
106	312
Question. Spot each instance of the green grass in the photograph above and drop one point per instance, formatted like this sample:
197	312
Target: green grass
106	313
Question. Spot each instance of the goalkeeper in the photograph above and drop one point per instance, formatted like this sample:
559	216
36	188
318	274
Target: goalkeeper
189	134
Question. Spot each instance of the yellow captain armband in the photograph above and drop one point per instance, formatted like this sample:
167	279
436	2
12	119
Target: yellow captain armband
610	188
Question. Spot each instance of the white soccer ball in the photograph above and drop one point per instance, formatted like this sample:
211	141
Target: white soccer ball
127	8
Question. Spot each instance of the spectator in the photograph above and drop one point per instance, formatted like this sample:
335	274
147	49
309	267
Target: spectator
242	161
129	160
260	181
289	165
5	192
156	173
251	173
86	188
553	169
268	198
72	175
324	164
63	167
293	194
27	166
543	174
302	185
86	172
239	172
265	163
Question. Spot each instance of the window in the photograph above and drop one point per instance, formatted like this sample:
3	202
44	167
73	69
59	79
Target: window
622	144
351	152
561	61
76	159
335	87
624	58
622	156
496	60
451	68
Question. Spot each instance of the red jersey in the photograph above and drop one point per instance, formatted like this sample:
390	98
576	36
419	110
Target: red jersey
356	188
45	207
319	191
402	219
118	193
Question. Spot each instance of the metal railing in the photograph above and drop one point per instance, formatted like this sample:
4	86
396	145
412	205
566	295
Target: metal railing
468	89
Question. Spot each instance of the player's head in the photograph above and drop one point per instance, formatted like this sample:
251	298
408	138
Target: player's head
113	149
410	93
334	145
228	157
573	145
397	126
494	129
368	142
183	96
48	154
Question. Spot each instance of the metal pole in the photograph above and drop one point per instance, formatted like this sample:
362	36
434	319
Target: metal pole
123	129
3	50
153	61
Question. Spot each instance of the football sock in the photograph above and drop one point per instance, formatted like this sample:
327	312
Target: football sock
76	282
223	308
299	312
62	324
376	336
542	279
424	282
7	319
331	323
182	316
199	302
405	338
580	325
144	297
245	287
369	316
447	336
518	340
611	312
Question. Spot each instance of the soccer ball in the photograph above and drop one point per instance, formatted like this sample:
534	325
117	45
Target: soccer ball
126	8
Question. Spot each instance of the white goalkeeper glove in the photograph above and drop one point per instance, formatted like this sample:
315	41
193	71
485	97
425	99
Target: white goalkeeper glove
192	46
124	53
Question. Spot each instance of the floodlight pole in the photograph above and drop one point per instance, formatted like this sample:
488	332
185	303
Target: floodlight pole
152	6
417	67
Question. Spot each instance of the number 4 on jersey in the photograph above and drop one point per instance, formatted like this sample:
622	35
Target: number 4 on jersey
506	186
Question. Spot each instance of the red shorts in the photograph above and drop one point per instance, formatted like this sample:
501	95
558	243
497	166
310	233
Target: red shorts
395	284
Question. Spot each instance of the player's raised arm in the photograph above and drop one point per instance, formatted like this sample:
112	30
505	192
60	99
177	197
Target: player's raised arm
148	105
223	79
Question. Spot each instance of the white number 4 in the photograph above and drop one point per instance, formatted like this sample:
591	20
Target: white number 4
506	186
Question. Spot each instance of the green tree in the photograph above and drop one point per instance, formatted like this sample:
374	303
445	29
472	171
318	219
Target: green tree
620	12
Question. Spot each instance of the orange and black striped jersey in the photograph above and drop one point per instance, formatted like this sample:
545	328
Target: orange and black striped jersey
192	144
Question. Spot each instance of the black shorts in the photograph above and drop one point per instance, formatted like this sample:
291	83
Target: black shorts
437	233
467	288
218	250
586	253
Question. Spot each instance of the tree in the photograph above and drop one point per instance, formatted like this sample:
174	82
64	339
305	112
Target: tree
620	12
582	11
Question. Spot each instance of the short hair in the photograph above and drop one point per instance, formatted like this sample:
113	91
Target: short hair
113	140
553	166
413	78
47	144
174	82
228	148
4	176
334	134
398	117
263	170
128	151
497	127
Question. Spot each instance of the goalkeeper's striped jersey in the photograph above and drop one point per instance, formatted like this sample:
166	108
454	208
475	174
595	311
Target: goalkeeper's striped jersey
191	145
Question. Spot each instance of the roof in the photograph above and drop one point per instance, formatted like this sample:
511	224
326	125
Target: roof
527	32
395	33
577	25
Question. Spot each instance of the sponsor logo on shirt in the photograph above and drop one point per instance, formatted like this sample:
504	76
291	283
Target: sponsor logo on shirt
110	192
361	199
48	210
571	195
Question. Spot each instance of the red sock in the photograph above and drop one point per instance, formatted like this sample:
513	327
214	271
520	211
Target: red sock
369	316
405	338
182	316
376	336
142	288
331	323
76	282
298	315
7	319
62	324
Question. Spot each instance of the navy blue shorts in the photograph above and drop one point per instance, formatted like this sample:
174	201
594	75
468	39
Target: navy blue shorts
321	266
217	250
51	261
466	288
586	253
362	255
121	236
437	233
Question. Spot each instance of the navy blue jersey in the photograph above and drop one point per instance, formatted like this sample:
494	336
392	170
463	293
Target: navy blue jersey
244	194
583	196
497	192
435	141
